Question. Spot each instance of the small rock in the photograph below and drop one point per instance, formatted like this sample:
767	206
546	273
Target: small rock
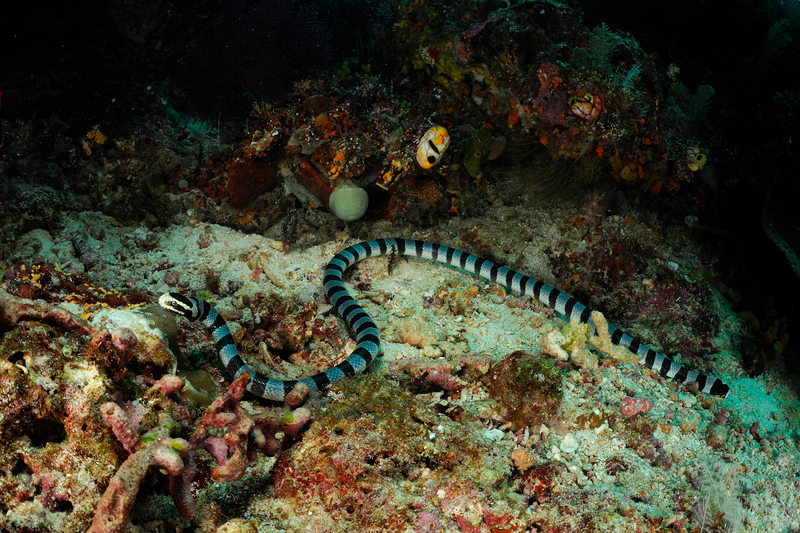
569	444
171	278
523	459
716	435
124	338
237	525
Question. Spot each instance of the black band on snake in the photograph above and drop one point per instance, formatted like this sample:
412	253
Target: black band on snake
368	336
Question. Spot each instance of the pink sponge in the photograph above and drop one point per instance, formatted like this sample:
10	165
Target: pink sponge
634	406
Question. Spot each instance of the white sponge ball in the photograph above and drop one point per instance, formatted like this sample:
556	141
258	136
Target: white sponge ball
348	202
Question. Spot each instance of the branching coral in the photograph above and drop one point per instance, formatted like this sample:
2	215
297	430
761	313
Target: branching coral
602	341
149	427
117	502
244	435
570	343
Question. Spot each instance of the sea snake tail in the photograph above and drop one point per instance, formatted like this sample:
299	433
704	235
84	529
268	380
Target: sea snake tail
368	336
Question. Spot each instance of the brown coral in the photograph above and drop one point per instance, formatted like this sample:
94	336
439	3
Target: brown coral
117	501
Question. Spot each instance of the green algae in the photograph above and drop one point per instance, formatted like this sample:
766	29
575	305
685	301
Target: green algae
528	387
370	436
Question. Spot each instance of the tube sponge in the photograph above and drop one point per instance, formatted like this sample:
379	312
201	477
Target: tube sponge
348	202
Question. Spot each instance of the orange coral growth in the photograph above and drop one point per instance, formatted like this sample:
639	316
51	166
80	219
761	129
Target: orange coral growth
96	136
311	178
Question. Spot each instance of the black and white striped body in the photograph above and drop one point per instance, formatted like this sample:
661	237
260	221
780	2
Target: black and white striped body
368	336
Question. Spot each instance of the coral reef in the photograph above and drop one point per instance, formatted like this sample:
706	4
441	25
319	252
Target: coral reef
56	399
244	435
48	419
564	89
527	387
198	147
427	461
419	443
488	74
162	451
598	269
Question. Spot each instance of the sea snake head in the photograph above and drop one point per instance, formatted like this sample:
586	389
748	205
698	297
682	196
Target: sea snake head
180	305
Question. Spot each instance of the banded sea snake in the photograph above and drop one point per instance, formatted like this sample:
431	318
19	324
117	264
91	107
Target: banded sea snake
368	336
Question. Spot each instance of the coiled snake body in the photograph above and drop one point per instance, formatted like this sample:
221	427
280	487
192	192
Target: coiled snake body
368	336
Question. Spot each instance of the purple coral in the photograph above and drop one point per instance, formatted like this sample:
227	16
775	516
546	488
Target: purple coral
121	425
245	435
117	501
